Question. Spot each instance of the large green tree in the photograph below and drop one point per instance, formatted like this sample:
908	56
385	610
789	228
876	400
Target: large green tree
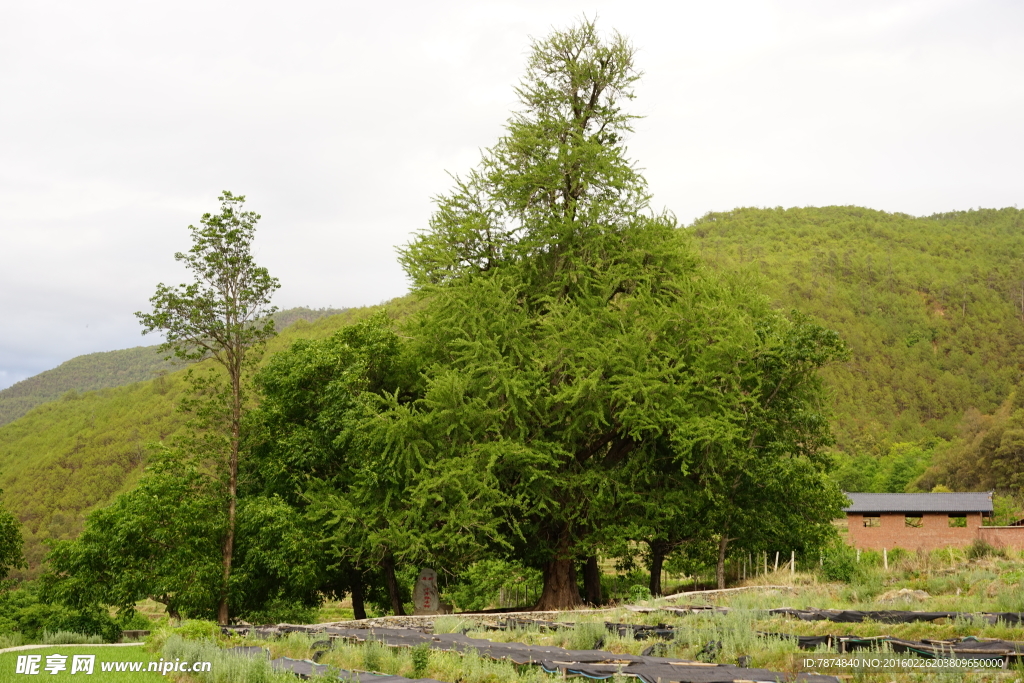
574	330
223	315
335	437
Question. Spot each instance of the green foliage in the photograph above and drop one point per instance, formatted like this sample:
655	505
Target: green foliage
639	593
197	629
931	307
72	455
225	666
981	548
227	308
573	341
90	372
480	585
160	540
373	655
987	454
69	638
11	543
839	563
27	611
896	471
587	635
420	660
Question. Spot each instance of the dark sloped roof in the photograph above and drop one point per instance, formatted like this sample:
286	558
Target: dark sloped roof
920	502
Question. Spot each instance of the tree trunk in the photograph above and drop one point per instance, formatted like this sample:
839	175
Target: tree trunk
358	599
235	371
657	562
723	544
592	581
388	565
560	589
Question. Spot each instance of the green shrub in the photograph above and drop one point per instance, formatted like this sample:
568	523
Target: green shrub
27	612
839	563
481	585
69	638
198	630
11	640
982	548
373	656
587	635
226	666
639	593
420	660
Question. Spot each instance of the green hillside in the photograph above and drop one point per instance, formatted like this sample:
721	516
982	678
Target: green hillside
107	369
931	307
65	457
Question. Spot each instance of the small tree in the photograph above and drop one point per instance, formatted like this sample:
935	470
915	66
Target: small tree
224	316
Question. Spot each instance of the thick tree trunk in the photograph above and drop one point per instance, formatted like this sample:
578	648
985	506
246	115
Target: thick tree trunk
358	598
723	544
592	581
657	563
388	565
560	589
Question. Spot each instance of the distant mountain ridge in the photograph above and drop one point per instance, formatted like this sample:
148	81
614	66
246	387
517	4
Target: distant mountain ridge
108	369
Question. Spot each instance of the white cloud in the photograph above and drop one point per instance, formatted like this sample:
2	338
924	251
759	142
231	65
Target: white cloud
122	121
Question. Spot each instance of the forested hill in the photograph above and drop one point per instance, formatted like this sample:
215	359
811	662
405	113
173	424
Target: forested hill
67	456
107	369
931	307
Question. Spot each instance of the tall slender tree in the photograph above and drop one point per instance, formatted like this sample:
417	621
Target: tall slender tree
223	315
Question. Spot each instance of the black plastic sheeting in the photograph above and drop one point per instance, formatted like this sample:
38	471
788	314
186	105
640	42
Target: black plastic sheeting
1010	651
304	668
894	616
637	631
847	616
595	664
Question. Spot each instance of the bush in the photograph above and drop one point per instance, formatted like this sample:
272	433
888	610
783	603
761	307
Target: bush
226	666
281	611
24	611
420	660
981	548
69	638
198	630
587	635
639	593
481	585
839	563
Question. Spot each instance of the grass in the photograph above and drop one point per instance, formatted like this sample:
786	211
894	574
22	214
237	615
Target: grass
954	582
8	662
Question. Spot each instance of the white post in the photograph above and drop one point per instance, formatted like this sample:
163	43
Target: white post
776	560
766	563
792	562
885	558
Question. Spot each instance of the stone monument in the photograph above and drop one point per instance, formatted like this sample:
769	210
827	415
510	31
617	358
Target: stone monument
425	597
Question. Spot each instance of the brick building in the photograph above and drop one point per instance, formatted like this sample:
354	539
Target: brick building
925	521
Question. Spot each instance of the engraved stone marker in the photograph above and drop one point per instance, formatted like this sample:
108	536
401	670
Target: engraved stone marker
425	595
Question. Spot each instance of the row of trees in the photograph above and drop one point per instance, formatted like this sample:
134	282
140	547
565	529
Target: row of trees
576	383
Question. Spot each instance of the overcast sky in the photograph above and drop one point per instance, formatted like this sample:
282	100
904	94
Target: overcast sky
120	123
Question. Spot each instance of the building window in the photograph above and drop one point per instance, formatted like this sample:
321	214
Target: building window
872	520
958	520
913	521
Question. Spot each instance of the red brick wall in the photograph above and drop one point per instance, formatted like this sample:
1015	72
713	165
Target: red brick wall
1011	537
893	532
